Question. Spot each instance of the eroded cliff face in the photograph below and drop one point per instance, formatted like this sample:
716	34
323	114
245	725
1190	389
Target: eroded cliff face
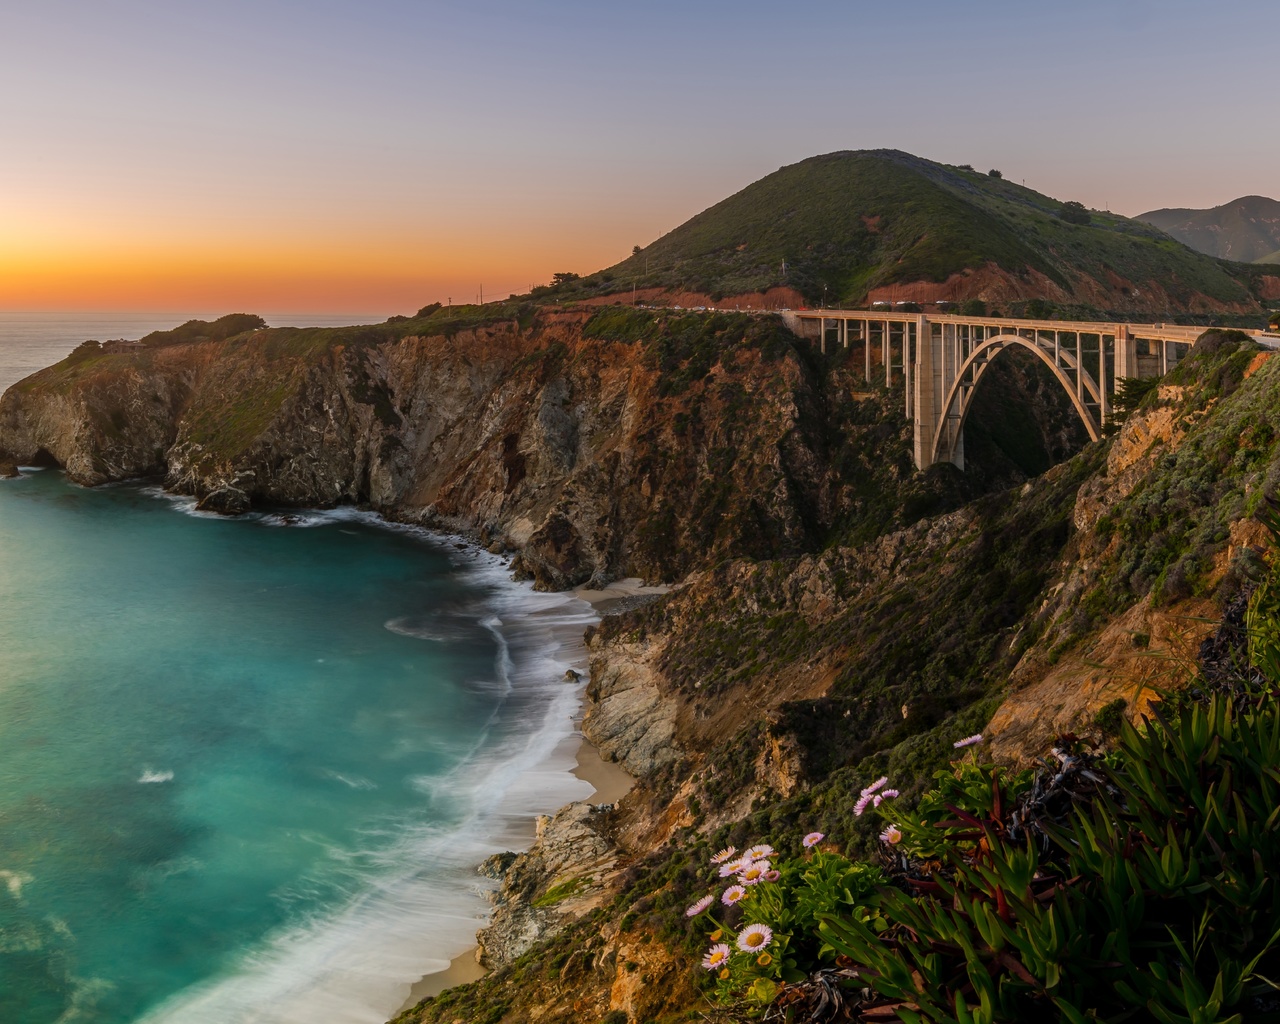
577	453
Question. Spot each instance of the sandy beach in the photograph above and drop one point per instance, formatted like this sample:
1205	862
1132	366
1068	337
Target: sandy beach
610	782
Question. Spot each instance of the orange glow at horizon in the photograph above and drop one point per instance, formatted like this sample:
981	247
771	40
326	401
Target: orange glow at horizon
364	275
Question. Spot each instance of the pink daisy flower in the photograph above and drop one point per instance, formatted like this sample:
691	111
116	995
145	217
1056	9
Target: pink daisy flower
733	894
876	785
734	866
724	855
860	807
716	956
813	839
754	937
892	835
772	876
968	741
759	852
700	906
753	872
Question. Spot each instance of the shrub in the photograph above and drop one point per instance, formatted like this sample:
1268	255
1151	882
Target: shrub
764	921
1110	717
1074	213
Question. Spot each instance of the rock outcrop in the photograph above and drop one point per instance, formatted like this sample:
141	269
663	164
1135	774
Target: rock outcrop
560	878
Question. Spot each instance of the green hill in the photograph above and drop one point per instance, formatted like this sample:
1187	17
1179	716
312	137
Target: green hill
844	224
1247	229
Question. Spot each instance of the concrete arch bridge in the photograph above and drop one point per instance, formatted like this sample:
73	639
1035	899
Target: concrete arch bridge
941	359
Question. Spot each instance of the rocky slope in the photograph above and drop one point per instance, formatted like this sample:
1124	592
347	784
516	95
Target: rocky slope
1246	230
788	684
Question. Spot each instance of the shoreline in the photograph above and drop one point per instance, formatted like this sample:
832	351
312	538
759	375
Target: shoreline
610	783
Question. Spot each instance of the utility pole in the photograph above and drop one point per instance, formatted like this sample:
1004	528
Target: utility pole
482	295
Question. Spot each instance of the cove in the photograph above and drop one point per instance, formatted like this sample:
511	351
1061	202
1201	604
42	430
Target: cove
247	766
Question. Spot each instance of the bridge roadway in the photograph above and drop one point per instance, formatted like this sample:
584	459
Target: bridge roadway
1088	359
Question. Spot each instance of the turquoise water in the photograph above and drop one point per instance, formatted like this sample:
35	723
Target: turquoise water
247	766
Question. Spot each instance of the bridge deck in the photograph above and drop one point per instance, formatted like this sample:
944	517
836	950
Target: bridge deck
1154	332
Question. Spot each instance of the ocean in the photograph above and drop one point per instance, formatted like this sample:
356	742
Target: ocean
248	766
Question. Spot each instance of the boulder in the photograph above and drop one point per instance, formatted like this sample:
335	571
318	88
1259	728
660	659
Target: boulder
226	501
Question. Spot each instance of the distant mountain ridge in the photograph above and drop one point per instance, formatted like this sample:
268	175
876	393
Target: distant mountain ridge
1246	229
857	226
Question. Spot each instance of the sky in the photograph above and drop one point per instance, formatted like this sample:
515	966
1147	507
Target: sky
373	156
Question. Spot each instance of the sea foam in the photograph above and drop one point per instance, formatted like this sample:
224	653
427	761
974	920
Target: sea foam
423	904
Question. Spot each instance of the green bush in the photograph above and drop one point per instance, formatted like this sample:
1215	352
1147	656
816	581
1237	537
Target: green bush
783	907
1110	717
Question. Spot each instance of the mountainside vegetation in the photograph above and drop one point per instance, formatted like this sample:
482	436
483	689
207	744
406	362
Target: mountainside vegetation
1246	230
845	227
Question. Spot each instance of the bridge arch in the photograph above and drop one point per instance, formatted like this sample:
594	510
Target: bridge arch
959	397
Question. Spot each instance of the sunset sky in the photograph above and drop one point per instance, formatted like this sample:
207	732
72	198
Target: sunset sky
371	157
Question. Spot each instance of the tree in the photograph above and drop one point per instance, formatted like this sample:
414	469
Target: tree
973	307
563	278
1074	213
635	250
993	173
